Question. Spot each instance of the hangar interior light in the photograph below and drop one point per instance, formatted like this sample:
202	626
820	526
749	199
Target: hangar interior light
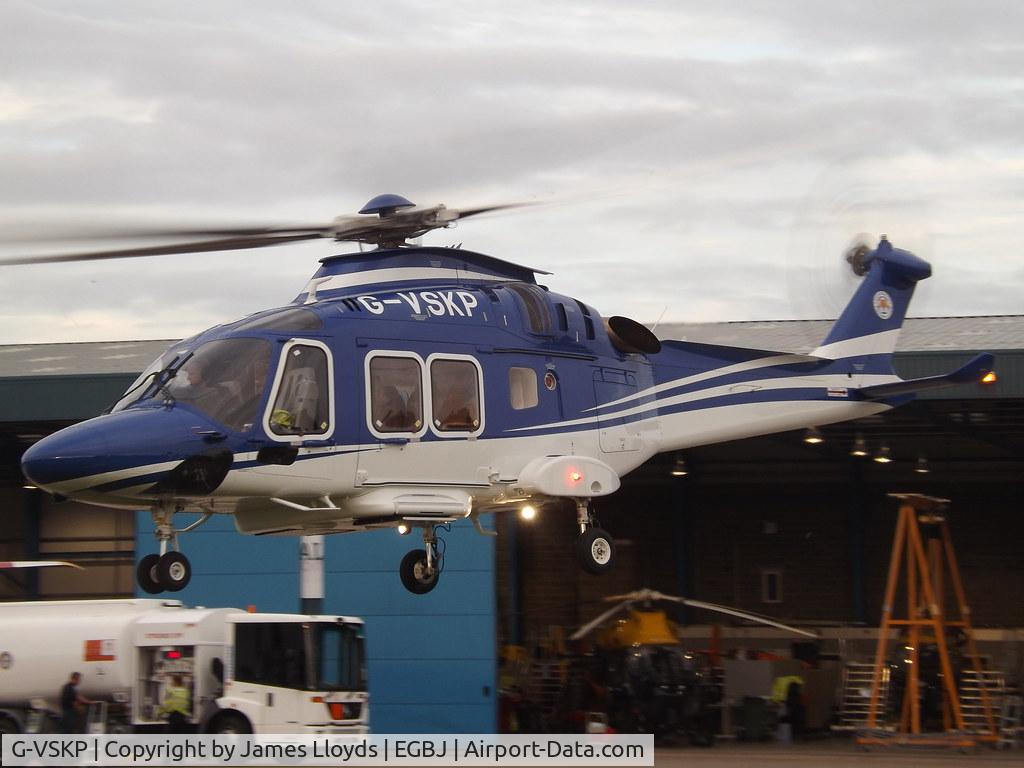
813	436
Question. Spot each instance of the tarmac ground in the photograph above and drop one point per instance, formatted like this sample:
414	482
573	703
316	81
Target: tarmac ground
831	753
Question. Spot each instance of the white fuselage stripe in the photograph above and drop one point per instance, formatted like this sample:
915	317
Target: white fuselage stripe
749	365
786	382
872	344
394	275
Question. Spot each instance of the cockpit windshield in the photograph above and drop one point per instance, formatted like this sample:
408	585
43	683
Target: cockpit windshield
225	380
145	380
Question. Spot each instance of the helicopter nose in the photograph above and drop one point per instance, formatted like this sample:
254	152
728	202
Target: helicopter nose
78	451
149	450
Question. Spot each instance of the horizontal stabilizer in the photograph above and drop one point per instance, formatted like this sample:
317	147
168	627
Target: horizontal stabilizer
972	371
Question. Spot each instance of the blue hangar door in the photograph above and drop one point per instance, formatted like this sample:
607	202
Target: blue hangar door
431	658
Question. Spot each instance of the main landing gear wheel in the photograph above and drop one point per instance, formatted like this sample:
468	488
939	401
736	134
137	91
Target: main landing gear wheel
596	550
146	574
417	576
169	572
173	571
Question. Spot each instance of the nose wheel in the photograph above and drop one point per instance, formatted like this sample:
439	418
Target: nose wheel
420	569
169	571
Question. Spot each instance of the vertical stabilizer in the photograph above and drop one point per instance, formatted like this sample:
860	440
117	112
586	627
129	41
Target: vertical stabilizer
870	324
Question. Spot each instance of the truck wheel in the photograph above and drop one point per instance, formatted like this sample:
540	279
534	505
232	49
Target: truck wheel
173	571
413	571
146	575
230	722
8	725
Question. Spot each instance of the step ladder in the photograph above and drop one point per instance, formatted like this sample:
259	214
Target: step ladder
972	683
856	696
1011	734
96	718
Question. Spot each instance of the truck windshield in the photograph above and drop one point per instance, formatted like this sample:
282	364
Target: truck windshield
313	656
340	665
225	380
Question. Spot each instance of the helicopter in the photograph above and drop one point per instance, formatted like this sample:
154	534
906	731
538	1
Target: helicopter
650	683
411	386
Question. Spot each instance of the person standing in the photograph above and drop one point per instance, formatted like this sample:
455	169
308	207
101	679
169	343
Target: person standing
72	705
176	706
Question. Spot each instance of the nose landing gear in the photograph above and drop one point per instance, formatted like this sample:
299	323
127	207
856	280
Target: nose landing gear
170	570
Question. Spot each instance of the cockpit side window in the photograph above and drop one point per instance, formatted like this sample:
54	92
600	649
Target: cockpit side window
396	397
302	400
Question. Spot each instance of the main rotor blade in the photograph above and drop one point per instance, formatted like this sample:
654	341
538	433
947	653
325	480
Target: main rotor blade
38	564
464	212
650	595
742	615
590	626
86	231
201	246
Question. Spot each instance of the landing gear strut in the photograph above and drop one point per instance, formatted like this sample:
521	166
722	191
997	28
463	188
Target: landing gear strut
595	547
421	568
170	570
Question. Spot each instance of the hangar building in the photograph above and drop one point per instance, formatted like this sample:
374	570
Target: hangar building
772	524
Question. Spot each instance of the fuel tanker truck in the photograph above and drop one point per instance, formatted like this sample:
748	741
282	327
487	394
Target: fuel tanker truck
245	672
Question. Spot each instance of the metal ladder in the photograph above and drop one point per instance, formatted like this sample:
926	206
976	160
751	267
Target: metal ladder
972	683
856	696
96	717
1011	734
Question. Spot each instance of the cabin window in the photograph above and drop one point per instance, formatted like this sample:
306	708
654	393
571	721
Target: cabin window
563	317
396	396
455	395
522	388
302	404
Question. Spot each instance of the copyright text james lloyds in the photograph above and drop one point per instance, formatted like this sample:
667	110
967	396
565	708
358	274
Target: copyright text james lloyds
324	750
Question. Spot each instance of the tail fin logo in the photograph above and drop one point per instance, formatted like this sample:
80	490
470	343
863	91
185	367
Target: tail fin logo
882	303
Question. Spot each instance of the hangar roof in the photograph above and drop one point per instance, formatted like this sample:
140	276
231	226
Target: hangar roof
988	333
921	334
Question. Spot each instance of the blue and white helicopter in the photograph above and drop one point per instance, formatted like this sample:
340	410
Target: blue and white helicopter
409	387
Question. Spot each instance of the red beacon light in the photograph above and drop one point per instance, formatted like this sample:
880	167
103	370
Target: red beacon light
172	654
575	476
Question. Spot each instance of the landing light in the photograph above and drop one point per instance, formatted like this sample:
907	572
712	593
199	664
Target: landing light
989	378
528	512
402	529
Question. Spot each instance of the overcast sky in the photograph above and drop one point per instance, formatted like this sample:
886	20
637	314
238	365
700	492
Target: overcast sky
703	161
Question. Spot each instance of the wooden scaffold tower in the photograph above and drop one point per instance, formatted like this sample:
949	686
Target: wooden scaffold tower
925	560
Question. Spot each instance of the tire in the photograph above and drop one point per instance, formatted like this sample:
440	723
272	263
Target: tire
230	722
413	572
173	571
146	575
596	551
8	725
